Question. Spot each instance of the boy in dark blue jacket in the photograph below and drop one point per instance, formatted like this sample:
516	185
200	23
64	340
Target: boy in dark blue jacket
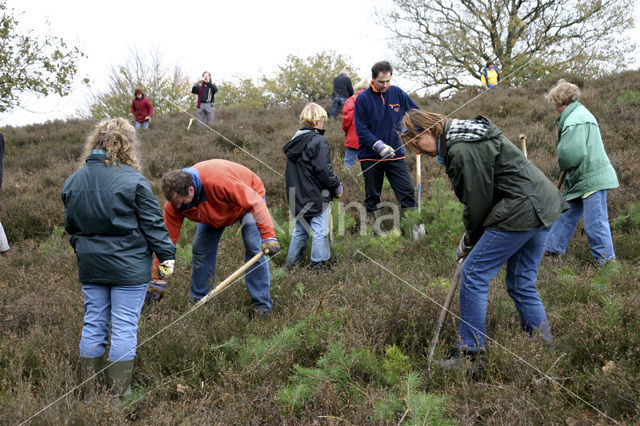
311	184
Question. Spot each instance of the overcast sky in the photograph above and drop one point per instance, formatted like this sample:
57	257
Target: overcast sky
227	38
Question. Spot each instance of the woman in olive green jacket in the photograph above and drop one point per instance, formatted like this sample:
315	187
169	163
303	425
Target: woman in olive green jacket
589	176
508	207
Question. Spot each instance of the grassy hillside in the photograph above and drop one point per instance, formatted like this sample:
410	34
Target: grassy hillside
345	346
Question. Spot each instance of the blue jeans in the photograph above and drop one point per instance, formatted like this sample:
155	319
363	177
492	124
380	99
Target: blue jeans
336	105
320	251
143	125
596	226
522	251
111	306
205	254
350	157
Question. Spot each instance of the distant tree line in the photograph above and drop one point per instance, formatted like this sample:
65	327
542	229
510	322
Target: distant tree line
169	88
440	44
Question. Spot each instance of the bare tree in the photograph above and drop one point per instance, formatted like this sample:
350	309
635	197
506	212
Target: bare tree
442	43
168	88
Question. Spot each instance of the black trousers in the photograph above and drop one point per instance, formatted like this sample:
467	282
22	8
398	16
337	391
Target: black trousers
398	174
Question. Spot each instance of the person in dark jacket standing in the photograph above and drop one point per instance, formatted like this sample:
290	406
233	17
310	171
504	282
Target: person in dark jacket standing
114	225
311	185
378	112
589	176
206	92
141	109
4	243
509	205
342	89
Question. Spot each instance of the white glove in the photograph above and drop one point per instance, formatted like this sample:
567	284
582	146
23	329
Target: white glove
384	150
165	269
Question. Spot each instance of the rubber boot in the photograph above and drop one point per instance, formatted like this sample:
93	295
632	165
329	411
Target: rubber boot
88	369
120	377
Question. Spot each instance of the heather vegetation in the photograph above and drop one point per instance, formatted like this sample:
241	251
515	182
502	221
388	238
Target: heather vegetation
347	345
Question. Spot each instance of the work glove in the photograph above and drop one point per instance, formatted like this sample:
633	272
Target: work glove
165	269
147	118
338	191
384	150
270	246
155	290
464	248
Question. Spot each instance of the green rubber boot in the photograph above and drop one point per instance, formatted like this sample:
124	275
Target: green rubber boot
120	377
88	369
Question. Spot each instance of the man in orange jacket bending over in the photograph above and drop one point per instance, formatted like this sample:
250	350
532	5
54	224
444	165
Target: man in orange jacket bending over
217	193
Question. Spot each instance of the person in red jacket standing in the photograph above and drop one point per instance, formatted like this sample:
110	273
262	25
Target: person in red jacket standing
216	194
141	109
351	140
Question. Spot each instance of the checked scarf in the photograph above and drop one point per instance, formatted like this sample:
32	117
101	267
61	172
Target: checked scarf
468	130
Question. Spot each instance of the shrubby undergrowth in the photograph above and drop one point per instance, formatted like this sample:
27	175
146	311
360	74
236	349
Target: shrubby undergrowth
346	345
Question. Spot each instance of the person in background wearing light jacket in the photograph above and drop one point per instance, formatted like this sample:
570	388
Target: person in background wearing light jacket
114	225
489	75
589	176
351	139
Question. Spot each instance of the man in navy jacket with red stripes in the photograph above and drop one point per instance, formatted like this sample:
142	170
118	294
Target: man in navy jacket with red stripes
378	112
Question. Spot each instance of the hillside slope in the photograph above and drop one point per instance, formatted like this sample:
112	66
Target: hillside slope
348	345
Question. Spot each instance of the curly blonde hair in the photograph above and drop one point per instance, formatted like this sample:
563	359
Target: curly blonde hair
117	137
563	93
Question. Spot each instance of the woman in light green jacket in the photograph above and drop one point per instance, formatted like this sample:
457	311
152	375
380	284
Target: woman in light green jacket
589	176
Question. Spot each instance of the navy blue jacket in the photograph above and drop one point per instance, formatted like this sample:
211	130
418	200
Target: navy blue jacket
377	116
342	87
114	223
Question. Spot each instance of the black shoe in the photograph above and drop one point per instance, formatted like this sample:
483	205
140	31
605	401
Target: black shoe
460	359
259	314
320	266
551	254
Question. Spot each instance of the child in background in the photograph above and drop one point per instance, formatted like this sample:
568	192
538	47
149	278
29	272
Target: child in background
311	185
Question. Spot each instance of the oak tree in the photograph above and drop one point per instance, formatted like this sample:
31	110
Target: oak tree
443	43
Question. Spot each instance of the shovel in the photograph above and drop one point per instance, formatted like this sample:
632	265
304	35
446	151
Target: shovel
231	278
445	309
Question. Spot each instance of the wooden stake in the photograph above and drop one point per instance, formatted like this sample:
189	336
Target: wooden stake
230	279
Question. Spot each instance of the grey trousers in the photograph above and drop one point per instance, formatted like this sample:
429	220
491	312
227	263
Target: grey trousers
206	113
